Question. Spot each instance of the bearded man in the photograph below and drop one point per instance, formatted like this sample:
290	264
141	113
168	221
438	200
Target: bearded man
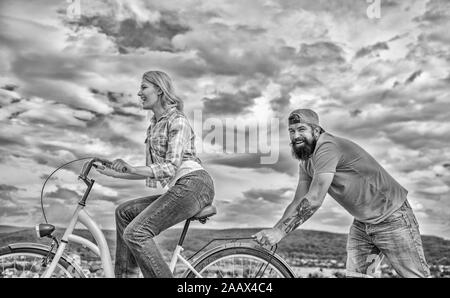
384	223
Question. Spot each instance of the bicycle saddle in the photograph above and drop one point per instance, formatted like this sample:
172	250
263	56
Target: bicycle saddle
206	212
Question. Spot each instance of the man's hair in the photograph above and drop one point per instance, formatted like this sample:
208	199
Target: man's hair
295	118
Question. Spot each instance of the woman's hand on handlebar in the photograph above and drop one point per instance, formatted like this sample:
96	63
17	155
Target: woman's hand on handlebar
105	171
121	166
115	168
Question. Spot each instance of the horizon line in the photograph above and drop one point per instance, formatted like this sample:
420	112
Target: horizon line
212	229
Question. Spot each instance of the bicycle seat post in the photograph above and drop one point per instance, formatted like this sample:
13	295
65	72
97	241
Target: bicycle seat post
183	234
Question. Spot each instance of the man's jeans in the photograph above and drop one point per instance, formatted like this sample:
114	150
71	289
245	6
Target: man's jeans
397	238
139	220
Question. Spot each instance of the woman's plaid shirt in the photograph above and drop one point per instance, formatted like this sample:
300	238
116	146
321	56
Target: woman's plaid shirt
170	140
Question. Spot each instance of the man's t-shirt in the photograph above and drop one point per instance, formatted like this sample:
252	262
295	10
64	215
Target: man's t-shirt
360	184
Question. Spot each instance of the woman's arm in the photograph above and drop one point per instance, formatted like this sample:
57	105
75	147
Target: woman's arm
112	173
129	176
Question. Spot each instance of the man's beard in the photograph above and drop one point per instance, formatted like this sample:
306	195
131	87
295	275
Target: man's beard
303	152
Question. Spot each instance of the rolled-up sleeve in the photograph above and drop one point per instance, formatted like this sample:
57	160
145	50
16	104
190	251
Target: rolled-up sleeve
179	136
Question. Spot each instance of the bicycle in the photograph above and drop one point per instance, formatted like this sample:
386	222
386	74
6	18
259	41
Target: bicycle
38	260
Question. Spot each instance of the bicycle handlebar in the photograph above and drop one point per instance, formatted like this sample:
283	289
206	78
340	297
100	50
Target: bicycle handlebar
107	163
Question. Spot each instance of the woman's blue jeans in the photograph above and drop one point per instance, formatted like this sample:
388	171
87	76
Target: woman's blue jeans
139	221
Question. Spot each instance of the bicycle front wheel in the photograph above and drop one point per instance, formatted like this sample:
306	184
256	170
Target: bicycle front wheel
31	262
241	260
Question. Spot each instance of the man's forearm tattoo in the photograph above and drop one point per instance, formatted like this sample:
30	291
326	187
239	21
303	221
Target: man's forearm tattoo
304	211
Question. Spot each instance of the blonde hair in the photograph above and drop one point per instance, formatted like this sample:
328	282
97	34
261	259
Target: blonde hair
165	85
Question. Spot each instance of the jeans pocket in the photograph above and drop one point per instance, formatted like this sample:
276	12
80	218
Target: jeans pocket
182	186
205	196
412	218
197	186
397	216
397	220
409	214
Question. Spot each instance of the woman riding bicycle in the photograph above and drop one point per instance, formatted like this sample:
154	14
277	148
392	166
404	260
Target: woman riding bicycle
170	159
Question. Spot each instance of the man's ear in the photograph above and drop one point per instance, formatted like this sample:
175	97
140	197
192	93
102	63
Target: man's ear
316	131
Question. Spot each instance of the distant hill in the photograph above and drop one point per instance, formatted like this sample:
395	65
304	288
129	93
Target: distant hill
298	244
9	229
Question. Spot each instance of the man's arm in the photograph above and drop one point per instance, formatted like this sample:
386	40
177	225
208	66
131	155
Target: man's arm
301	191
304	205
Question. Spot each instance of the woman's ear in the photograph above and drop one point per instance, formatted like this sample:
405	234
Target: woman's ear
161	100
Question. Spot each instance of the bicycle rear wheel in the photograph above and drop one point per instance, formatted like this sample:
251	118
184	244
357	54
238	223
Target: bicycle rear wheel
241	260
29	262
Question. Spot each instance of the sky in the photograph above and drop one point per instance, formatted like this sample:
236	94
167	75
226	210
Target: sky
69	80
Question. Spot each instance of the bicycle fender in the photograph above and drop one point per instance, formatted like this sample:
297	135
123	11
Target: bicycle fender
28	244
234	245
44	247
10	247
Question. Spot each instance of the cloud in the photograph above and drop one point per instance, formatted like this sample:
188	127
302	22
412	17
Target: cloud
436	13
412	134
323	52
436	190
63	193
413	77
286	164
9	212
6	141
7	192
247	213
132	34
10	206
228	103
271	195
371	49
10	87
289	82
8	188
37	111
432	41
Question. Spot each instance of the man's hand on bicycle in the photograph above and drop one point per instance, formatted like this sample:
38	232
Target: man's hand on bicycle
269	237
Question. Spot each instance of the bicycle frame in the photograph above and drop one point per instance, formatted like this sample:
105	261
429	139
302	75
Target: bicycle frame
177	256
102	250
